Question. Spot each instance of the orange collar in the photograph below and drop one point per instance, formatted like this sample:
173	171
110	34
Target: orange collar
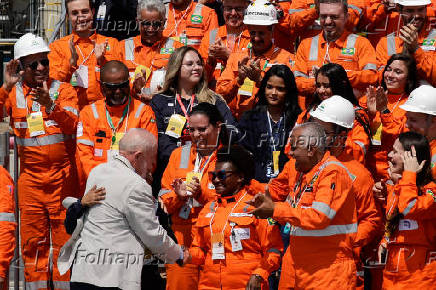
340	42
77	38
138	43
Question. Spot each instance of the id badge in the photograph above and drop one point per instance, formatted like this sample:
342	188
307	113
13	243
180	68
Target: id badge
138	72
157	79
185	210
116	143
217	240
247	88
191	175
82	76
35	123
376	138
235	242
276	155
175	126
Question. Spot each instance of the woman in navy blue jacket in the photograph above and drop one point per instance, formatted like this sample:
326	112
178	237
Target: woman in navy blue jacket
268	125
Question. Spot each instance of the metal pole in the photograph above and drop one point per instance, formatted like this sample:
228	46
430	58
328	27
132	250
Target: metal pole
59	24
17	220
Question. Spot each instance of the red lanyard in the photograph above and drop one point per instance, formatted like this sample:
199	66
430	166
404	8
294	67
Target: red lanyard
185	112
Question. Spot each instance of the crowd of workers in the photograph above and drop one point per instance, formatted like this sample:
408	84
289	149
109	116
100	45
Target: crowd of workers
296	142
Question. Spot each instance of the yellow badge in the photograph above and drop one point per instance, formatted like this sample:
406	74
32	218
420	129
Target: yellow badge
191	175
175	126
138	71
276	155
116	141
35	123
376	137
247	88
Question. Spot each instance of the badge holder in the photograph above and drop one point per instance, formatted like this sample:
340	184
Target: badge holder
175	126
218	252
35	123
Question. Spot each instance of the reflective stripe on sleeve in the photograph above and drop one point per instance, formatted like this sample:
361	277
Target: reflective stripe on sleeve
328	231
362	146
409	207
292	11
370	66
43	141
351	40
94	110
300	74
138	111
85	142
313	53
184	156
71	109
390	42
352	176
7	217
163	192
273	250
354	7
129	47
324	208
212	36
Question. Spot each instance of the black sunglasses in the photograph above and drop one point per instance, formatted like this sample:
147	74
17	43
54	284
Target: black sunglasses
155	24
34	65
112	86
220	174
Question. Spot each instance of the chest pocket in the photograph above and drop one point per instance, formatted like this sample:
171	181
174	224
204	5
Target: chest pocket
307	197
102	142
347	59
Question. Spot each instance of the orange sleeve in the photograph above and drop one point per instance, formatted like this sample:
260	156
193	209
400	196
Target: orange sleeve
227	84
410	203
299	4
425	65
293	23
199	247
59	58
4	95
368	216
272	248
390	130
305	84
66	111
382	53
148	120
367	73
360	141
173	203
85	142
278	187
332	191
212	21
374	14
7	221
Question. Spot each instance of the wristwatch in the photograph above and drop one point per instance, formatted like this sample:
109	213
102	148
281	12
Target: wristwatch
49	110
386	111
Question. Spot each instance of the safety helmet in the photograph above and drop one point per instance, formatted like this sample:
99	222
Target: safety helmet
413	2
29	44
260	12
335	110
421	100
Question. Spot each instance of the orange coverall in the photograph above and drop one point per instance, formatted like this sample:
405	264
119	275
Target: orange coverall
7	223
424	55
133	53
182	161
190	25
261	244
60	68
94	135
239	98
324	224
215	68
377	157
411	251
353	52
47	176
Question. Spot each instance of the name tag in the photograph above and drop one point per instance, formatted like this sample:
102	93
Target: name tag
408	225
242	233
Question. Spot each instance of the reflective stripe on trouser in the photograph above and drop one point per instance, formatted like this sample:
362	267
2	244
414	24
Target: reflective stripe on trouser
42	217
35	285
182	278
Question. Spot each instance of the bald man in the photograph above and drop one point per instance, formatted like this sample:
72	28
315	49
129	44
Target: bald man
103	123
116	235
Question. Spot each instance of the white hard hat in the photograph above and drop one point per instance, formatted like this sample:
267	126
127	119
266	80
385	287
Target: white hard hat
421	100
29	44
335	110
413	2
260	12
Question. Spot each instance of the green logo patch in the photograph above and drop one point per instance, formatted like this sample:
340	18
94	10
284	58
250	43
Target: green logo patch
271	222
164	50
429	191
196	18
347	51
428	42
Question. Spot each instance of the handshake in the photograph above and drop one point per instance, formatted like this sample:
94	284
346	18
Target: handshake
185	259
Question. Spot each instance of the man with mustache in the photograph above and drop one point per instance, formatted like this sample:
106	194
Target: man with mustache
43	114
78	57
240	80
415	37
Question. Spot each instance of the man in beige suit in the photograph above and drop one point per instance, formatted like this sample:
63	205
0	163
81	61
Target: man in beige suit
108	249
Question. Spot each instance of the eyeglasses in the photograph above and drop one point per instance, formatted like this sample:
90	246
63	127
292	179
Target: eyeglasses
111	86
190	65
239	10
220	174
34	65
155	24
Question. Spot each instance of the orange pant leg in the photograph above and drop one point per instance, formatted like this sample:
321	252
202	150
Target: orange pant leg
182	278
287	276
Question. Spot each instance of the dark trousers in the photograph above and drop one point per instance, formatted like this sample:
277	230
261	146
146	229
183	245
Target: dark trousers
86	286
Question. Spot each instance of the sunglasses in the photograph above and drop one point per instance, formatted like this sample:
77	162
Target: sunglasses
220	174
112	86
155	24
34	65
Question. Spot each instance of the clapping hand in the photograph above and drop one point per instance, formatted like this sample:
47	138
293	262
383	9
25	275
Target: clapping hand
264	205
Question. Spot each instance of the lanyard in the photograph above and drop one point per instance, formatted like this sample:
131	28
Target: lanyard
198	160
185	110
396	104
111	124
233	36
83	56
176	23
272	137
327	55
227	220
